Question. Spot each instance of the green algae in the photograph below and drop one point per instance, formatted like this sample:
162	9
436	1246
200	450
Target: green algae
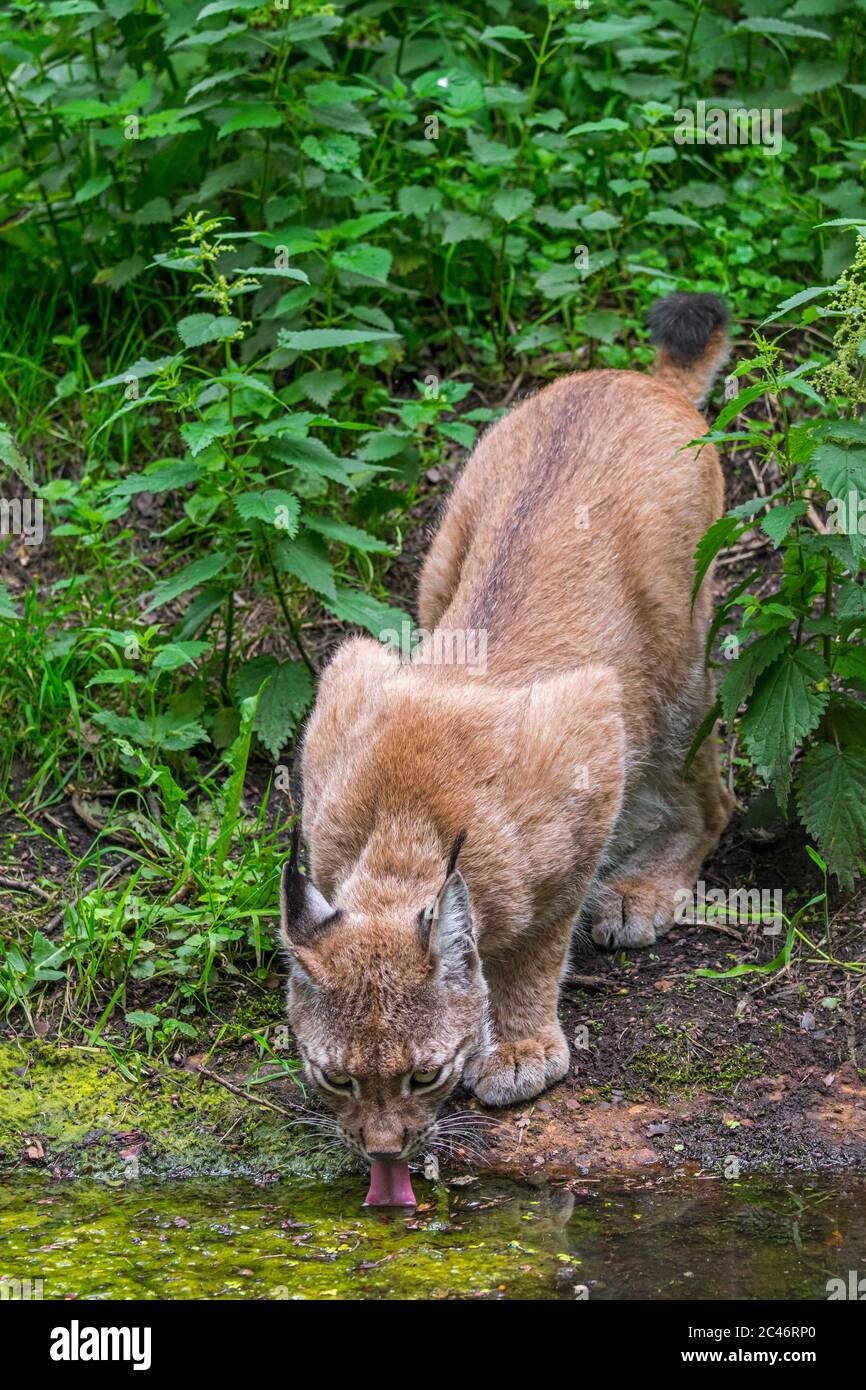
88	1118
287	1241
650	1238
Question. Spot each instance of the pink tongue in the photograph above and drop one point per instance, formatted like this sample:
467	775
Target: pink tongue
390	1185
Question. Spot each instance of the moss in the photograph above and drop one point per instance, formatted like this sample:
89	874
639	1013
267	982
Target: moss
91	1119
674	1066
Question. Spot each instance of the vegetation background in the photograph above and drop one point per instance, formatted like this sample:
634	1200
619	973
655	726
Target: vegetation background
268	269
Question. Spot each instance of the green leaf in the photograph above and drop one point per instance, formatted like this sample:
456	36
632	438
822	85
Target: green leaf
138	1018
462	226
808	78
795	300
840	470
7	608
740	401
384	444
373	262
761	25
607	123
490	153
283	702
307	559
92	188
116	276
198	329
720	534
779	520
419	201
11	456
199	434
312	26
309	456
505	31
175	473
600	221
603	324
353	228
362	610
321	387
254	115
251	676
174	733
346	534
317	339
337	153
737	683
831	799
512	203
190	577
175	654
668	217
783	709
155	211
274	507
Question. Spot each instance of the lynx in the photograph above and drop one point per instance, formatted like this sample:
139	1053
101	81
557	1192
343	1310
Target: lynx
461	822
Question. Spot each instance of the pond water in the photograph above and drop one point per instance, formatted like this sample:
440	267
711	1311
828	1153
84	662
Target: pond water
653	1237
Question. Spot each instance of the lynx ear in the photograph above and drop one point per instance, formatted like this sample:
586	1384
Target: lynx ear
304	914
452	937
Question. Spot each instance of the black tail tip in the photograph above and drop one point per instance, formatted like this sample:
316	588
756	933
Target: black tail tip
683	323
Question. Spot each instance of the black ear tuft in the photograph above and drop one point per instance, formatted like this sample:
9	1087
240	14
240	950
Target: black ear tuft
455	851
293	887
683	324
304	913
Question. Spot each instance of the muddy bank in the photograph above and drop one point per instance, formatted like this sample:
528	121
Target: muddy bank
757	1074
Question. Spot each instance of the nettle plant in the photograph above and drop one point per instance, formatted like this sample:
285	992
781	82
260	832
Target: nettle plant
793	686
521	154
259	498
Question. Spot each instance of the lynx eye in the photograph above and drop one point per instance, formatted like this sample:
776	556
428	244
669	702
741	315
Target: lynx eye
426	1078
338	1079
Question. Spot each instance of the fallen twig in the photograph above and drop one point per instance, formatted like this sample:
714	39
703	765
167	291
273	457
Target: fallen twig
590	981
18	887
239	1090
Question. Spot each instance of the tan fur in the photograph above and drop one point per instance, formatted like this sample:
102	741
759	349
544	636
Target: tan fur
694	380
569	540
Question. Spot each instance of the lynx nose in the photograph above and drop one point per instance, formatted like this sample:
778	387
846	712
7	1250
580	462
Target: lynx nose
382	1142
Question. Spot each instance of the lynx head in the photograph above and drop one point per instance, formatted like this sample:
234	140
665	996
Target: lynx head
386	1008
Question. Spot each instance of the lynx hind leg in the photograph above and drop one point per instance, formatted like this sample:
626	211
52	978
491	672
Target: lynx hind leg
636	903
635	909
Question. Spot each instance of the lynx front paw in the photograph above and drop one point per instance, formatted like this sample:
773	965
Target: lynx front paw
516	1071
635	912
